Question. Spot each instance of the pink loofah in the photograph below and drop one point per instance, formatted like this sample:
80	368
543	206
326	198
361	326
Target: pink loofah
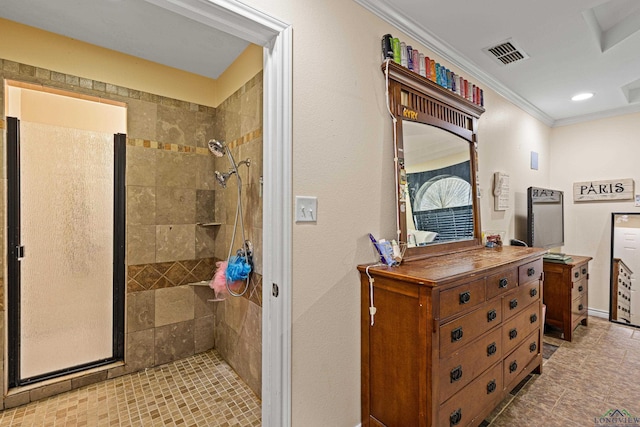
219	281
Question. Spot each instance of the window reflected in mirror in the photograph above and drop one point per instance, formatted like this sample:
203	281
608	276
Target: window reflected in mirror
440	195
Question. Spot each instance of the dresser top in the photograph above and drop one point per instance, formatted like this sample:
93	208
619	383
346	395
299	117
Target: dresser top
436	270
575	260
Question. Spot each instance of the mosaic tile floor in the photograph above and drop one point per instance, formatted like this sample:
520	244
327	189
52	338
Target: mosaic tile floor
201	390
582	383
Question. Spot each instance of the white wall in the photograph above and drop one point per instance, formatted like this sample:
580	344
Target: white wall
598	150
343	154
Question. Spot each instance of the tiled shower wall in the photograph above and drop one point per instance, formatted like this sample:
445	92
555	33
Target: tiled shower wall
238	328
170	189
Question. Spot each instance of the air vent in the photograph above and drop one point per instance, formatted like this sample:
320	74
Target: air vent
506	52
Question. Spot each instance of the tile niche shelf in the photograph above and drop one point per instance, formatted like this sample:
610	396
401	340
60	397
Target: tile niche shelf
209	224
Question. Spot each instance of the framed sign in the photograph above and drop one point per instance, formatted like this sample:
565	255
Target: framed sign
616	189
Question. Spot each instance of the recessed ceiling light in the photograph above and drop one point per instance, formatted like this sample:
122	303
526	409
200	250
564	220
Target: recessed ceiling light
582	96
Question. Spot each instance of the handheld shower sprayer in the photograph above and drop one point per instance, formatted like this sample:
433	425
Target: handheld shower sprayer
219	149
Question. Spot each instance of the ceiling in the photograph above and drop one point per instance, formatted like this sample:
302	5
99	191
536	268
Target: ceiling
572	46
135	27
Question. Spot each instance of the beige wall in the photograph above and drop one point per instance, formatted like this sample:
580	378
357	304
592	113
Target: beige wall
506	137
597	150
343	154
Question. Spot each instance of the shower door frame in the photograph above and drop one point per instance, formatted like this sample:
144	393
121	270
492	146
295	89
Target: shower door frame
14	253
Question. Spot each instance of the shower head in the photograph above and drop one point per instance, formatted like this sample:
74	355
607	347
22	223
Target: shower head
222	179
217	147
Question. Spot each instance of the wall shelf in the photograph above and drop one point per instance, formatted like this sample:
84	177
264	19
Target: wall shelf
208	224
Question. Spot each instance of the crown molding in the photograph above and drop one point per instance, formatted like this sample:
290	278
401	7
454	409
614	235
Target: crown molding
412	29
631	109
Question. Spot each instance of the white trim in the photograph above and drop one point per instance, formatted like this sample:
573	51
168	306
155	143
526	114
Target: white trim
629	109
229	16
276	312
276	36
598	313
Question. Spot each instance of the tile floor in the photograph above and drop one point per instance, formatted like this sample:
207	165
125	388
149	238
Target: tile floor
581	381
201	390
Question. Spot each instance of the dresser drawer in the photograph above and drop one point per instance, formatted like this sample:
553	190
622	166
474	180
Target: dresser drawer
463	366
578	288
464	406
580	272
457	333
516	329
516	301
461	298
530	272
502	282
578	307
515	363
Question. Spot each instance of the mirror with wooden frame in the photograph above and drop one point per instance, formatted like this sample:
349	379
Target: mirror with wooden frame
435	133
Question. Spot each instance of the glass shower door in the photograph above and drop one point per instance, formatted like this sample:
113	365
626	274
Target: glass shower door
66	288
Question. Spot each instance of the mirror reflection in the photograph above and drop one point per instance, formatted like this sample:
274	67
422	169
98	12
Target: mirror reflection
438	174
625	267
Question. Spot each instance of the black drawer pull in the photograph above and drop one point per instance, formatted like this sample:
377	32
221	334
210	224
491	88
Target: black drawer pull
513	366
513	333
456	373
580	307
491	349
456	334
580	288
533	347
504	282
584	270
465	297
533	318
531	271
576	274
533	292
491	315
491	386
455	417
513	303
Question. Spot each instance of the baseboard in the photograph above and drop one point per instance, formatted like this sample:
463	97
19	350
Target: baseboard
599	313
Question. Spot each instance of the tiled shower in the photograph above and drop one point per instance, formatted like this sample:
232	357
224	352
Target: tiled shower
171	248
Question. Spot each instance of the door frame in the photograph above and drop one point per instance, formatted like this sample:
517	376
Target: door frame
275	36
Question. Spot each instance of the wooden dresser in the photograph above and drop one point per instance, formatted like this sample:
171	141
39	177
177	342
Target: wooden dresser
450	336
566	293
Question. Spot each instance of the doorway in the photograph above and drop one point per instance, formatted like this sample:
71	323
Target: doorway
276	37
65	180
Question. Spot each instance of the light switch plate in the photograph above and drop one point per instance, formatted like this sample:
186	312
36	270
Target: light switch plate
306	209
